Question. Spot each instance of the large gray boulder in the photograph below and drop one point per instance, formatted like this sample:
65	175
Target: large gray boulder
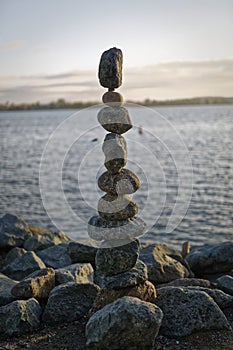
55	256
23	266
37	285
211	259
127	323
80	273
133	277
45	240
6	284
69	302
161	266
225	283
20	316
13	231
81	253
187	311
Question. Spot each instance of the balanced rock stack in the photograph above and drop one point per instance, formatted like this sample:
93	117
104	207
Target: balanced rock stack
117	225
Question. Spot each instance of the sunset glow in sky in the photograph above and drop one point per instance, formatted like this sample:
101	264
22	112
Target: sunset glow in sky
50	49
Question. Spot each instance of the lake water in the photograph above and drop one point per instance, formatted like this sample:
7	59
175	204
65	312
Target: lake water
183	158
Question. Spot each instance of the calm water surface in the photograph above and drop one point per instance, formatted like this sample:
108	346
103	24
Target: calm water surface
166	178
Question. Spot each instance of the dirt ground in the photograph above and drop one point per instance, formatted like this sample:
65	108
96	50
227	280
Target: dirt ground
70	336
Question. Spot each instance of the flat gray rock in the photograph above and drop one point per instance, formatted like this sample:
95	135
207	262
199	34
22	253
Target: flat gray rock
161	267
13	231
115	119
6	284
45	240
127	323
187	311
110	68
37	285
69	302
20	316
81	253
225	283
115	151
23	266
115	231
211	259
112	261
137	275
80	273
55	256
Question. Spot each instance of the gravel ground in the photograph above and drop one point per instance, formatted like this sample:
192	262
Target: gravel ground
70	336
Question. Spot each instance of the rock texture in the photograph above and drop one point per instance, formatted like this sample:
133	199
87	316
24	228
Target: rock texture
23	266
6	284
37	285
113	99
120	324
20	316
210	259
124	182
115	151
144	291
13	231
115	119
110	68
69	302
137	275
100	229
125	255
81	253
226	284
55	256
187	311
80	273
45	240
117	207
161	267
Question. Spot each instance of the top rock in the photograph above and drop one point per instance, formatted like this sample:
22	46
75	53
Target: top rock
110	68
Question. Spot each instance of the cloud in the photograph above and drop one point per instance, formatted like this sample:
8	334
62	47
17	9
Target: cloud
164	80
11	45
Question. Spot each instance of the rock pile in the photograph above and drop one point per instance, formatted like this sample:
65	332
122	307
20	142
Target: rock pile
117	226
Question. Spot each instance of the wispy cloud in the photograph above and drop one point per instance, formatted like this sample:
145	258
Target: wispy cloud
11	45
165	80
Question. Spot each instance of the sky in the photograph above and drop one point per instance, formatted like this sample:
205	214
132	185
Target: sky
50	49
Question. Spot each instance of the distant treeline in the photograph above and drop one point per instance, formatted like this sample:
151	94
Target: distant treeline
63	104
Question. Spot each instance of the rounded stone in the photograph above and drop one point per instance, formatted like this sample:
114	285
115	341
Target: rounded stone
124	182
113	99
113	207
110	68
115	120
112	232
115	151
125	255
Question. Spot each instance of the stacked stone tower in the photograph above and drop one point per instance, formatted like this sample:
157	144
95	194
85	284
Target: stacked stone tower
117	225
